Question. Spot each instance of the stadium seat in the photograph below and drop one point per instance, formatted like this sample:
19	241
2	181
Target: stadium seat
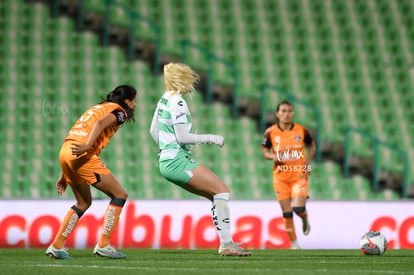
351	59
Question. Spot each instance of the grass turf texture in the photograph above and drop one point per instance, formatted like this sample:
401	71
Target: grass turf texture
143	261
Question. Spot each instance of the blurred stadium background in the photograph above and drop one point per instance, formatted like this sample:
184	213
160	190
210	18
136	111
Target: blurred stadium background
347	66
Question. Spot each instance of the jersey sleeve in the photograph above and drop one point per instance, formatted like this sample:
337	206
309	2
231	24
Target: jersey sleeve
180	112
120	115
307	137
266	142
154	130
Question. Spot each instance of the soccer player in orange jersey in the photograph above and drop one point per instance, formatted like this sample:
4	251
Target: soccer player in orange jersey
284	143
82	167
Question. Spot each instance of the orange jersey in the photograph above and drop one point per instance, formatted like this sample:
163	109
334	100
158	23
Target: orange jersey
83	127
289	147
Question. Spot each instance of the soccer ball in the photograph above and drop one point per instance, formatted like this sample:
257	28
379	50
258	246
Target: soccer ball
373	243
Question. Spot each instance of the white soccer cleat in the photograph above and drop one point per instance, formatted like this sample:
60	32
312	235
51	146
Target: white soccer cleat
305	227
109	252
295	245
58	253
233	249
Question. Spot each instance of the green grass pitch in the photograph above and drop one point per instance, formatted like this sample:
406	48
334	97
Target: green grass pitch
145	261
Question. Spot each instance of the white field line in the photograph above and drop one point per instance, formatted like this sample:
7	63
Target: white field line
348	271
142	267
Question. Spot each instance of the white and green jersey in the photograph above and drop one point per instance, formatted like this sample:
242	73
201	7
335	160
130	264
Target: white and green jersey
171	110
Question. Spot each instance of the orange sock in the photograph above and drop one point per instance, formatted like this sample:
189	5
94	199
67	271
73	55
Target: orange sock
290	229
68	224
110	221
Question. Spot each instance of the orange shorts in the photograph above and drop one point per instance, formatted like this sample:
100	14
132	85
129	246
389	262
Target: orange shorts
291	187
77	170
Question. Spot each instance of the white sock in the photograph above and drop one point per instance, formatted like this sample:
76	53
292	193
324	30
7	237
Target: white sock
221	216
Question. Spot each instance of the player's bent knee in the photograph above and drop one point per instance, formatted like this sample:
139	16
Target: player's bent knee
287	215
299	209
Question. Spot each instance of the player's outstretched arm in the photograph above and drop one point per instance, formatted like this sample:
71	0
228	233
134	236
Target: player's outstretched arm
184	137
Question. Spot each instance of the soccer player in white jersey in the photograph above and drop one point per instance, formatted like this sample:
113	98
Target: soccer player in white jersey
171	131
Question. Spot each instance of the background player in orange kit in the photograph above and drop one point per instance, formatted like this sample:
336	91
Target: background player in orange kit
82	167
284	143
